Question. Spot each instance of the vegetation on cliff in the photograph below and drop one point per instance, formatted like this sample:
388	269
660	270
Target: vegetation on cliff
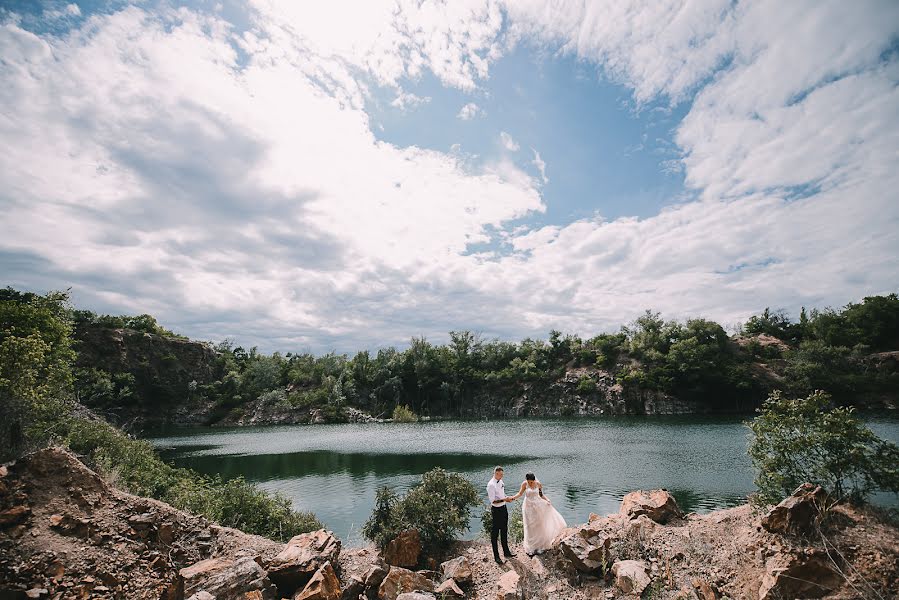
39	406
843	352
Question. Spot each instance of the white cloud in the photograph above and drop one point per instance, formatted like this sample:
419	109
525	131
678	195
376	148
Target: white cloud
508	143
470	111
247	196
540	164
408	101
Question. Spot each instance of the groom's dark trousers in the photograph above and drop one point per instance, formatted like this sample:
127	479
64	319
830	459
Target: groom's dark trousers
500	516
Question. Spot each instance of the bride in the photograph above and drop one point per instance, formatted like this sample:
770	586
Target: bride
542	522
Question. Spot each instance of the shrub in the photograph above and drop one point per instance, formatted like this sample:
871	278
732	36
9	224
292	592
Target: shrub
586	385
439	507
403	414
135	466
801	440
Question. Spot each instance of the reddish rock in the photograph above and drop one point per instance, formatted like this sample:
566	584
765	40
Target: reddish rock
227	579
458	569
324	585
808	574
449	589
399	581
507	586
799	513
658	505
631	576
14	516
404	550
303	555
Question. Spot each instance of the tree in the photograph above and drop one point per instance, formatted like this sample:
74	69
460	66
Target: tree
807	440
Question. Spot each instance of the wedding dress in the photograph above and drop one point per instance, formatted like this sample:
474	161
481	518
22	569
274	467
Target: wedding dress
542	522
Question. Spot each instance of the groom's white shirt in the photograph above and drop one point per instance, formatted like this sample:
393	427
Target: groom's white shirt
496	492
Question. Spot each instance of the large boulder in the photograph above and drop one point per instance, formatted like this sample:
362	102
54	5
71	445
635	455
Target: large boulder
227	579
458	569
324	585
399	581
587	547
507	587
303	555
799	574
404	550
658	505
631	576
799	513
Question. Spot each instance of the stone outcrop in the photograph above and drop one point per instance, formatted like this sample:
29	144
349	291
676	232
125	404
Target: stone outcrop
404	550
303	555
658	505
227	579
458	569
799	513
324	585
631	576
799	574
400	580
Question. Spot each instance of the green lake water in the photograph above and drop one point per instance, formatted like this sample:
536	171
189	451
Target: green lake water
586	465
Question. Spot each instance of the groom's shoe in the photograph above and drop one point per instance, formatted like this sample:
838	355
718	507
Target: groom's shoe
510	555
499	561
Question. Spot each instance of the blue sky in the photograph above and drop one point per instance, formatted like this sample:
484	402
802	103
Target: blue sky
348	175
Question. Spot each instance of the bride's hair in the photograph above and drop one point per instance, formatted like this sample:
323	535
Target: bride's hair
530	477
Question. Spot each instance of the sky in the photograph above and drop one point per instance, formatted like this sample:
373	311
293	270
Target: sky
346	175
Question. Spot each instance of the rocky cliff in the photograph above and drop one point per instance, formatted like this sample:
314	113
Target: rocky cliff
67	533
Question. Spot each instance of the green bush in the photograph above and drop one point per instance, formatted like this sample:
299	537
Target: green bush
135	466
586	385
806	440
403	414
439	508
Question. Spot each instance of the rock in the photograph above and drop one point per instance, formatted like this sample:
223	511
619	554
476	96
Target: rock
799	513
507	586
658	505
353	589
37	593
374	577
142	522
227	579
416	596
458	569
202	595
404	550
303	555
630	576
705	590
807	574
166	533
585	556
324	585
14	516
449	589
399	581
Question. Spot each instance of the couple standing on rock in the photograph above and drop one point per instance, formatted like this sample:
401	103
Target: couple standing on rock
542	522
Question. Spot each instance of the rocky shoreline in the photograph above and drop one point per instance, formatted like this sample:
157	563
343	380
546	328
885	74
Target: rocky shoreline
65	532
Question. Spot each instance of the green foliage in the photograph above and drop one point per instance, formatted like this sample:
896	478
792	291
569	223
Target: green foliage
586	385
145	323
37	393
807	440
402	414
439	508
135	466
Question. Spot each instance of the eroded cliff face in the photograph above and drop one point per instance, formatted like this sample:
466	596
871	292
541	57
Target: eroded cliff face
168	374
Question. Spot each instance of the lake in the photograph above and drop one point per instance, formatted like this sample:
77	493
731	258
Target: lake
586	465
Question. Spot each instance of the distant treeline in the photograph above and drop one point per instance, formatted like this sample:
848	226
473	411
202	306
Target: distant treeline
696	360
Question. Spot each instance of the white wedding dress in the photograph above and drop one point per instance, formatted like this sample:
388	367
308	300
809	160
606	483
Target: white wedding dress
542	522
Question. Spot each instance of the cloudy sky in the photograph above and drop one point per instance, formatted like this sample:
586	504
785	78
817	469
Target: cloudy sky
345	175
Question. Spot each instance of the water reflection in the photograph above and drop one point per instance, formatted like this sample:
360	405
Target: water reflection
586	465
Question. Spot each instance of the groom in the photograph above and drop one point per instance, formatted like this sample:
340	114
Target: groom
496	493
